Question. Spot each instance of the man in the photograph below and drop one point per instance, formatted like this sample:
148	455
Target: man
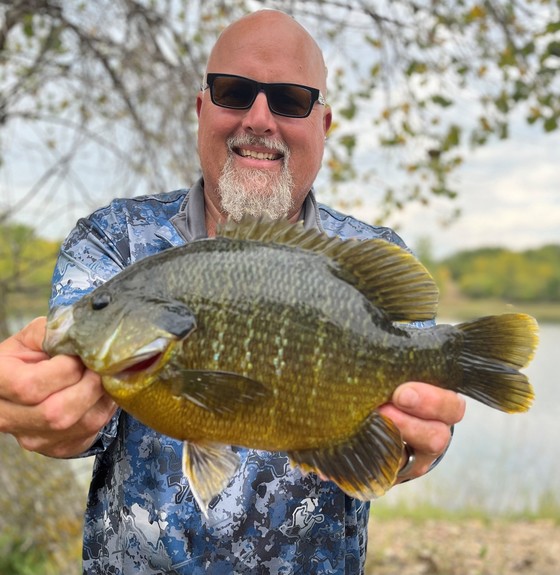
260	148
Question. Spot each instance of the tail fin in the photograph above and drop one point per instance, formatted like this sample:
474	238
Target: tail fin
495	347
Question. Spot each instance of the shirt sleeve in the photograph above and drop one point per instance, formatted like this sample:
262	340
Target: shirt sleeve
89	257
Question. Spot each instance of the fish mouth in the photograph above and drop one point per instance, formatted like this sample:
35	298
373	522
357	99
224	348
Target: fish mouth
56	339
146	359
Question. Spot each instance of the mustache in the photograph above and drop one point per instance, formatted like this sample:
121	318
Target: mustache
261	141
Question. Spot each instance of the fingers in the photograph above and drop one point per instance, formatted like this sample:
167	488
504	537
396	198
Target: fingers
59	411
51	405
28	342
66	423
32	335
27	374
74	440
29	383
428	438
429	402
424	415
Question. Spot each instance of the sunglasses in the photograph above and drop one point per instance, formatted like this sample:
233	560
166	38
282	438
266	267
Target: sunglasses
239	93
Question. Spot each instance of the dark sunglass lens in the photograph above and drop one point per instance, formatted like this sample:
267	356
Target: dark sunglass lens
233	92
289	100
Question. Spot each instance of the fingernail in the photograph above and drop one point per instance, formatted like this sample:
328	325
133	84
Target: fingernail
407	398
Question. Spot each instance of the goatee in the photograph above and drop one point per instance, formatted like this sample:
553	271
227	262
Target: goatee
254	192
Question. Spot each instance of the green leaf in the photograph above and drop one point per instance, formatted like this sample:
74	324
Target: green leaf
375	70
552	27
452	138
507	58
349	111
477	12
349	142
502	103
416	67
528	49
553	49
521	91
28	25
551	124
533	115
442	101
393	142
503	130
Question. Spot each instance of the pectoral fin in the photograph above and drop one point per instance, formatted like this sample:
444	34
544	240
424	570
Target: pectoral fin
217	391
365	466
208	467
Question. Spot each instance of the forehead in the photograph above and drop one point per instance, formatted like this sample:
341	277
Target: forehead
270	47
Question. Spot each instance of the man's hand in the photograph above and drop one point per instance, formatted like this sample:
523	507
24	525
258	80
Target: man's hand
424	415
54	406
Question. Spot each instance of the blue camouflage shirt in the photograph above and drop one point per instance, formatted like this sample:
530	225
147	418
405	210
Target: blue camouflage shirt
141	516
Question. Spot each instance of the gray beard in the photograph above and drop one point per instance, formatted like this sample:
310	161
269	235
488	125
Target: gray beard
253	192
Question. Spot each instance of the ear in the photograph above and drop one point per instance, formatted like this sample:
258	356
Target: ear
198	103
327	119
175	318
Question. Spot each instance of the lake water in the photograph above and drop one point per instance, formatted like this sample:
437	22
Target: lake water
501	462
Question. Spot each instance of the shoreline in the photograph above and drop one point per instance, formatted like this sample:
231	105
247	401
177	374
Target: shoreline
463	547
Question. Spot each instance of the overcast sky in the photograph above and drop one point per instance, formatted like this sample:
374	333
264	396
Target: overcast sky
509	194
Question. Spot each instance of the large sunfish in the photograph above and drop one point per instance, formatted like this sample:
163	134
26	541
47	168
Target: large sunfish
276	338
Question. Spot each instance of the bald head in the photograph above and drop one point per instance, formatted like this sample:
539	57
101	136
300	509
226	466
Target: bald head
279	48
253	158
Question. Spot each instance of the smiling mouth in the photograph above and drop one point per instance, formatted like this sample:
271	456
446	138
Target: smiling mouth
244	153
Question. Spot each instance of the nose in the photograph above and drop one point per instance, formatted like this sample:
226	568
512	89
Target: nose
258	118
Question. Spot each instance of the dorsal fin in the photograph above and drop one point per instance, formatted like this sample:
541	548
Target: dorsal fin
390	277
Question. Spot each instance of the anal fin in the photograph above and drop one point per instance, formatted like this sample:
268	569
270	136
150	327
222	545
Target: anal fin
365	466
208	467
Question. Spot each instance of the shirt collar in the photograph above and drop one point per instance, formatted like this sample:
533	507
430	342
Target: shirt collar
190	221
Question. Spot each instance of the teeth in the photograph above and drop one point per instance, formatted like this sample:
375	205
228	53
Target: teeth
258	155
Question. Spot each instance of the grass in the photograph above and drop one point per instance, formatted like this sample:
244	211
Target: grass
548	507
17	558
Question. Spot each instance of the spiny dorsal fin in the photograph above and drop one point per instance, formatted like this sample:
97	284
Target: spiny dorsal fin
391	278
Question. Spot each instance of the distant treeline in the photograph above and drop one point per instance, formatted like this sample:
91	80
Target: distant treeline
26	266
527	276
26	260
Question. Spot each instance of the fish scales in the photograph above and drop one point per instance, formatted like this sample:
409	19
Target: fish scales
285	333
272	337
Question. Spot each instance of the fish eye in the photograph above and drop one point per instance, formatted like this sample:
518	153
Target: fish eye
100	300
